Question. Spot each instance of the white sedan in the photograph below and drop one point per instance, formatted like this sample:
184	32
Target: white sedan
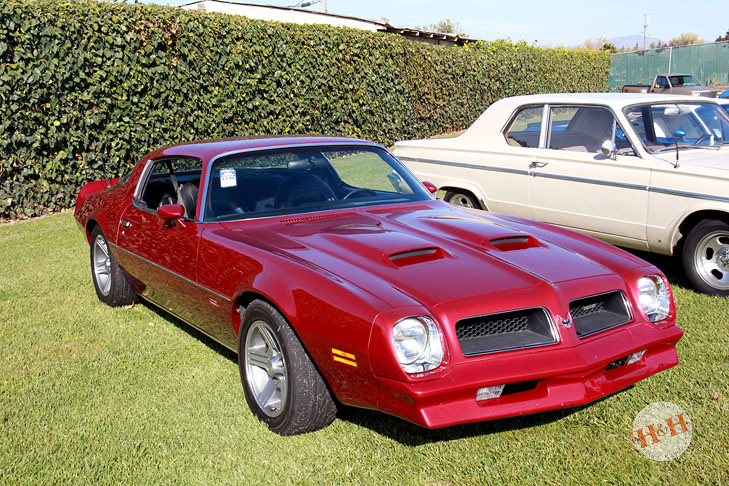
649	172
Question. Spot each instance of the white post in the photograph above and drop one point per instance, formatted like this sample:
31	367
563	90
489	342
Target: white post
324	6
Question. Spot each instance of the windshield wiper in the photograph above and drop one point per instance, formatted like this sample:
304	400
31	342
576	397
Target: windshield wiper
689	146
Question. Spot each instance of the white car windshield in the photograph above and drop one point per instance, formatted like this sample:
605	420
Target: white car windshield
679	124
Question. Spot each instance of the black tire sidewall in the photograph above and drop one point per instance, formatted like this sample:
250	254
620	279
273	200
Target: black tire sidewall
689	248
260	311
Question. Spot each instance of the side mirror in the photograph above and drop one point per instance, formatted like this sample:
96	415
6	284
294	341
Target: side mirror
608	148
169	212
678	133
430	187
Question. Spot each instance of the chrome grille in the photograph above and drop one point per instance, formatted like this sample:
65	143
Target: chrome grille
522	328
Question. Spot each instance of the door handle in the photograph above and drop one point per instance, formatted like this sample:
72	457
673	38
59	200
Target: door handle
126	224
537	164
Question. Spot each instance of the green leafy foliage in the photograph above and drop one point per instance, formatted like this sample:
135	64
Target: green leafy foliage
86	88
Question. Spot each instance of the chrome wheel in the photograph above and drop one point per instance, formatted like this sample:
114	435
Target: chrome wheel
461	199
711	259
102	265
266	372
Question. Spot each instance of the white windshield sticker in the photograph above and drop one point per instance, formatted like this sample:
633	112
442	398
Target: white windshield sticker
227	178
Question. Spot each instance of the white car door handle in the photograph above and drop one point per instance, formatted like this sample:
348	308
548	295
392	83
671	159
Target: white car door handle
537	164
126	224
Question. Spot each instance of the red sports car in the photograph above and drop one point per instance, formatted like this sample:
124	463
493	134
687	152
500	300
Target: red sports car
337	277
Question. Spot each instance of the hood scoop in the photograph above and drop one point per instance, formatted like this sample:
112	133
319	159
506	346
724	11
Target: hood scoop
417	255
516	242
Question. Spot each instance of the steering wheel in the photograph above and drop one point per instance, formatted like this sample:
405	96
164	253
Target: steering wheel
361	190
702	138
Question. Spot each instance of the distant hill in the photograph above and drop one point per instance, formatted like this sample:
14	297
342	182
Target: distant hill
629	41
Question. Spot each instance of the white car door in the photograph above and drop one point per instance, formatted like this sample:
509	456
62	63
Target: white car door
573	184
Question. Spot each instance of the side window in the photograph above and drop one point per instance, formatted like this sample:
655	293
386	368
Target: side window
525	128
580	129
662	82
173	181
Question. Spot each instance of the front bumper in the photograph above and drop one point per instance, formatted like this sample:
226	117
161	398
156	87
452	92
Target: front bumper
564	376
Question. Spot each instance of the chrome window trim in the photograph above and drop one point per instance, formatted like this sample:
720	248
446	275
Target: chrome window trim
209	167
160	267
557	338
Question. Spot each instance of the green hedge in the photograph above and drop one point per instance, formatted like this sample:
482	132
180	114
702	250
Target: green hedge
86	88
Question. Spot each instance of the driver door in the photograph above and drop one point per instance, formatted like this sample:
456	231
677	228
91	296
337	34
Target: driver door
574	185
163	254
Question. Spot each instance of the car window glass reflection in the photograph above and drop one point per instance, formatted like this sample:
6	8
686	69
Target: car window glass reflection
304	179
526	127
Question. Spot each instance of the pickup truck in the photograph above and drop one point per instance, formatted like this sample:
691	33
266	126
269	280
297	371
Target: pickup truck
682	84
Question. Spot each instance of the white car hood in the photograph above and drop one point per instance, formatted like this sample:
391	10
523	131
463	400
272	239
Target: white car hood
708	158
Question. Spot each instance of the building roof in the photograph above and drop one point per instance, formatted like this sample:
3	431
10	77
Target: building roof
302	16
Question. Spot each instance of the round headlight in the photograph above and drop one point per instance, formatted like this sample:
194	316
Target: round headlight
417	344
410	337
653	297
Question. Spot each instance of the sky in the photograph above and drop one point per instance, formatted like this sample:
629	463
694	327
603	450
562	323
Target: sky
547	23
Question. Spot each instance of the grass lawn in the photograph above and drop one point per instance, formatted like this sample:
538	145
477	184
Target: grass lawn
90	394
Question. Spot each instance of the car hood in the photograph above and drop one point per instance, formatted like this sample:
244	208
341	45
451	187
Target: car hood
707	158
431	254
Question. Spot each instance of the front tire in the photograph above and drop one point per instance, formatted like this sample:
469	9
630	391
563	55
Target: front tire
112	287
282	386
463	199
705	257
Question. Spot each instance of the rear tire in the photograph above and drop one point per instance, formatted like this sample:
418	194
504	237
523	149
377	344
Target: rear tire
462	198
112	287
705	257
282	386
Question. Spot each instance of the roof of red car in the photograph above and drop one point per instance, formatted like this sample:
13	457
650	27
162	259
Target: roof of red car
207	149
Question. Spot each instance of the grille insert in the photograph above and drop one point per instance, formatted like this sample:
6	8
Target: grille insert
523	328
599	313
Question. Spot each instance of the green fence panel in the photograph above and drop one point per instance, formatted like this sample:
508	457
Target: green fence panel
709	63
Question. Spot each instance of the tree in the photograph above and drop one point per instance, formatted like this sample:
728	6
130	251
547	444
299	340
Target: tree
686	39
447	26
609	46
595	43
725	38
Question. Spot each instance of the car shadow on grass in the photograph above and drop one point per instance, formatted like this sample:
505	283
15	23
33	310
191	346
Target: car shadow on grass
191	331
410	434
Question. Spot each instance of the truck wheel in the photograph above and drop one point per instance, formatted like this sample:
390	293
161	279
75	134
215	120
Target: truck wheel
282	386
705	257
463	199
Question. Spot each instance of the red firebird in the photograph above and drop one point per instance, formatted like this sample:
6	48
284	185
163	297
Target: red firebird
337	277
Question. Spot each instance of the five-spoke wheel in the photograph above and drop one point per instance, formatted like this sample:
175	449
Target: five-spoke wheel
266	373
111	285
283	387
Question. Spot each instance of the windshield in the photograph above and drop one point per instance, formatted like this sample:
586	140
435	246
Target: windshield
683	80
682	124
305	179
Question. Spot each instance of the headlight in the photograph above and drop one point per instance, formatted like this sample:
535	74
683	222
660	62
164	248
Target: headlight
417	344
653	297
